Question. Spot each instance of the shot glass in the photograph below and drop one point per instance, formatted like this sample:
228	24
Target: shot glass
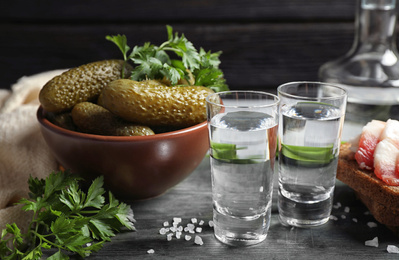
243	138
310	126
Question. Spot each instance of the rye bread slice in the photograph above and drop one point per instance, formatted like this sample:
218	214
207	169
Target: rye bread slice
381	199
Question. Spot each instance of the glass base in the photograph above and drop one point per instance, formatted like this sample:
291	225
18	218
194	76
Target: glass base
301	222
238	240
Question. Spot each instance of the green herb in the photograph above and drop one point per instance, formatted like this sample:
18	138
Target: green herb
228	153
198	68
65	219
308	156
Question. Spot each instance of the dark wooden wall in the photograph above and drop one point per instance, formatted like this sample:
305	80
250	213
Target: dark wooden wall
264	42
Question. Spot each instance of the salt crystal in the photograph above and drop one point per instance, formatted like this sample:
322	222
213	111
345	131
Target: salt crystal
198	230
178	234
190	226
392	249
173	229
201	223
191	231
337	206
169	236
354	220
187	237
186	229
151	251
366	213
343	216
371	224
373	242
176	220
166	223
332	217
347	209
162	231
194	220
198	240
210	223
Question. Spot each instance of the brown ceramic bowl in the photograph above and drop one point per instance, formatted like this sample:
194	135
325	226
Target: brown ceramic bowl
134	167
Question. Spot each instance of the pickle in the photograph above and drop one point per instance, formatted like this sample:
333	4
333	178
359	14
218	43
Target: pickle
83	83
94	119
154	104
63	120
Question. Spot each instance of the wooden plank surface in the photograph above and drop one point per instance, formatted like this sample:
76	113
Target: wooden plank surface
176	10
255	55
338	239
264	43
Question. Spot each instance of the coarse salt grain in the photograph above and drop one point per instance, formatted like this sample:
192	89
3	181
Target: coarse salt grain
371	224
166	223
373	242
198	240
194	220
392	249
343	216
332	217
187	237
337	206
210	223
163	231
178	234
354	220
198	230
151	251
169	236
347	209
201	223
177	220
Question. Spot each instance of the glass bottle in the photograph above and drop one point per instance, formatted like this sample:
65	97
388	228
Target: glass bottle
370	70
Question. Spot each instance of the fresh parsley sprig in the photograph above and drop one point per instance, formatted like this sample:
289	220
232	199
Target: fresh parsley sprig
65	219
194	67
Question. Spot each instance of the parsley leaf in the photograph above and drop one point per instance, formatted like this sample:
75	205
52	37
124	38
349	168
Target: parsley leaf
155	62
65	219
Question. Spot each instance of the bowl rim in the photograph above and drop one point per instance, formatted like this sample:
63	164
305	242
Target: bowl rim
168	135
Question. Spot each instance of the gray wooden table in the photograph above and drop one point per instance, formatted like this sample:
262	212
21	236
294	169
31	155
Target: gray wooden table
343	238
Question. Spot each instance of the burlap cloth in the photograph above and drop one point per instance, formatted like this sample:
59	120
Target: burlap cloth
23	151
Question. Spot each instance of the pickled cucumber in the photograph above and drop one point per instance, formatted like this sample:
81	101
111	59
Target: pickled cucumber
154	104
63	120
83	83
94	119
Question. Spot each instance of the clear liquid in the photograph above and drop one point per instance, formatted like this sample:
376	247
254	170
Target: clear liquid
242	180
306	189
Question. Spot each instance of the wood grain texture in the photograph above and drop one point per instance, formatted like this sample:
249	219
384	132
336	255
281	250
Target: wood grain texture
255	55
175	10
264	43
